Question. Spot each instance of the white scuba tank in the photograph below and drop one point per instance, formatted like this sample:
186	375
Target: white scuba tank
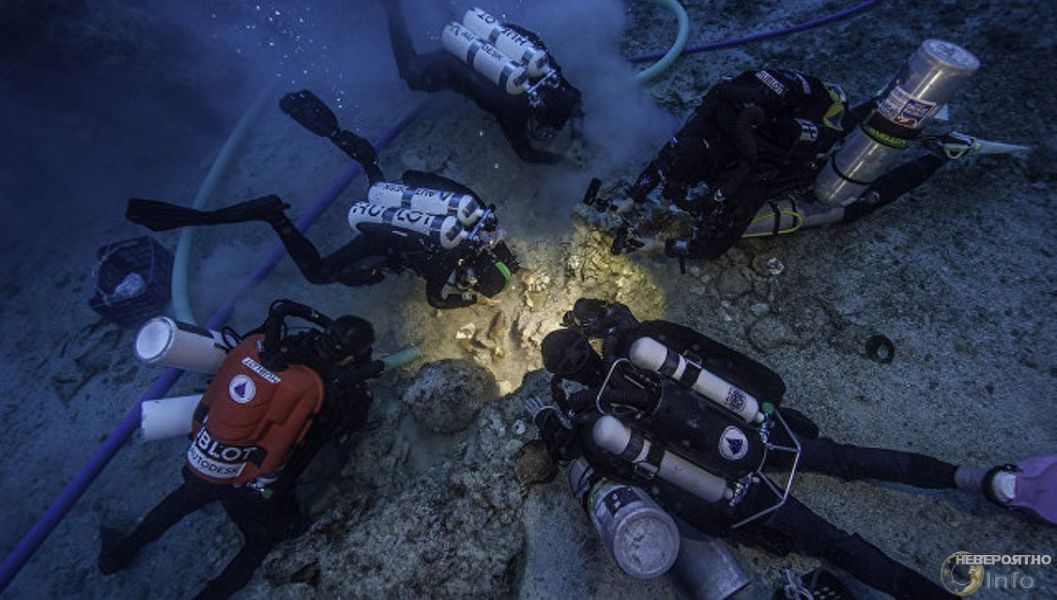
464	207
170	343
485	58
168	417
648	353
506	40
443	230
615	437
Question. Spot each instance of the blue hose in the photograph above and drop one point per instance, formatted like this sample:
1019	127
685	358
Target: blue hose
766	35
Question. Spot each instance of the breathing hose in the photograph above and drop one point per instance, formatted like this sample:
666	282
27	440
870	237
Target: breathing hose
181	299
666	59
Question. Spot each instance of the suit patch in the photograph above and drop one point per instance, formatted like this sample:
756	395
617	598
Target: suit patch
733	445
259	369
241	389
770	81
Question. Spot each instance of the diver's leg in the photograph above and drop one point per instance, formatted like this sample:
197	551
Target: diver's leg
421	72
849	462
262	523
894	184
814	536
184	500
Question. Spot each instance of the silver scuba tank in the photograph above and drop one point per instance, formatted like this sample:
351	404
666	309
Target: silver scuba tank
464	207
648	353
443	230
485	58
642	538
170	343
931	76
707	569
615	437
507	41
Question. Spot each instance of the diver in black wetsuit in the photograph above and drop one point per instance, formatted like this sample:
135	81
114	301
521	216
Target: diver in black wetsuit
758	136
480	263
642	418
523	117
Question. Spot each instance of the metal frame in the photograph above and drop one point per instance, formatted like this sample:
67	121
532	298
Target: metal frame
780	494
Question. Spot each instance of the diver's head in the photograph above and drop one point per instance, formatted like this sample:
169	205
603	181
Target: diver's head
689	160
490	275
568	354
557	102
346	339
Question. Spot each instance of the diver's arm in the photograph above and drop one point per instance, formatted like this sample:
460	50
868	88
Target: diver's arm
442	296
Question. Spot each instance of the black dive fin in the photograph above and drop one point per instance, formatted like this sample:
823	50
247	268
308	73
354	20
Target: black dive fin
436	182
161	216
310	112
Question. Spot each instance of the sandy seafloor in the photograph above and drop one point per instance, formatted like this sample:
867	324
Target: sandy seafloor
960	275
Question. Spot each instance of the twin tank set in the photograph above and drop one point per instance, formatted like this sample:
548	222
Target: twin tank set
715	447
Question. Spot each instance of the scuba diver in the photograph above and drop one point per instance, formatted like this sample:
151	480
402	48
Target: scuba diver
276	399
694	425
762	140
505	69
437	228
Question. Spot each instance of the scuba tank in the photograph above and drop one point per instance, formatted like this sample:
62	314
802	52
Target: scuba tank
644	455
506	40
931	76
445	231
642	538
170	343
707	569
485	58
648	353
464	207
168	417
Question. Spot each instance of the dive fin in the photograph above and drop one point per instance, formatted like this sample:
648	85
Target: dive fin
1036	487
437	182
161	216
310	112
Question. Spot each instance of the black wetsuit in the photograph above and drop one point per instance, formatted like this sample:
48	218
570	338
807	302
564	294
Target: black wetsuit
264	519
363	260
439	70
792	528
754	137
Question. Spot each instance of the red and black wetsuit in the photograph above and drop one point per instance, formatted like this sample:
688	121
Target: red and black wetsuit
254	432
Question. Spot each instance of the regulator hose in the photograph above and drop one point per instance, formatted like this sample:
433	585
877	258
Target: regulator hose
181	299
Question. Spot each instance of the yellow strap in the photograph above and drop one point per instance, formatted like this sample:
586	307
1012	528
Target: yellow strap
797	218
